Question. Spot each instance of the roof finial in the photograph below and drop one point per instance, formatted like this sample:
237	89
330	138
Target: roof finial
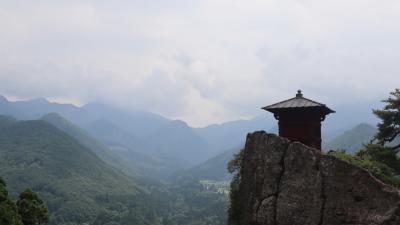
299	94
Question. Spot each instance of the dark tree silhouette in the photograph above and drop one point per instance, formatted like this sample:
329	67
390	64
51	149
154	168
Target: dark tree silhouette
32	209
389	127
8	210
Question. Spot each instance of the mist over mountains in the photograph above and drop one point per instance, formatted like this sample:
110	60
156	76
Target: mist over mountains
141	137
162	139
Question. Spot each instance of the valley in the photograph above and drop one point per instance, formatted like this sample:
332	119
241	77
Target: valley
94	165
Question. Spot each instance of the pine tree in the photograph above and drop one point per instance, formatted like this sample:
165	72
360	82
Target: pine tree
8	210
389	127
32	209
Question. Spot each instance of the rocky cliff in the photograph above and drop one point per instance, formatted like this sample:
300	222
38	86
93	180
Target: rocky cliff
288	183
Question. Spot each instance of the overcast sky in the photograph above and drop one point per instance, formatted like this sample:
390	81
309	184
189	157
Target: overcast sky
203	61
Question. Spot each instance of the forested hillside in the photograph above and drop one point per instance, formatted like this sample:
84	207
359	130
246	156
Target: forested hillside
127	160
79	187
75	183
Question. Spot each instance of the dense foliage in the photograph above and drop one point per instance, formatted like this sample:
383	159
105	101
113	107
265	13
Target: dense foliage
381	161
32	209
389	127
235	206
184	202
29	210
8	210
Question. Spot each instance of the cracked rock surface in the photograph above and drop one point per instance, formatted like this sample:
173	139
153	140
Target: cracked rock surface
288	183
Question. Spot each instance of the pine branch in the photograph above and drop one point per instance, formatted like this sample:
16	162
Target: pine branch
396	148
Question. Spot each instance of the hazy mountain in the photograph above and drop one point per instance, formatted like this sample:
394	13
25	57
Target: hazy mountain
154	155
84	138
157	137
353	139
79	134
347	117
6	108
212	169
34	109
232	134
127	160
114	127
137	123
111	134
74	182
177	140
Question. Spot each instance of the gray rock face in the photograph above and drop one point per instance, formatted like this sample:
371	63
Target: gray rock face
288	183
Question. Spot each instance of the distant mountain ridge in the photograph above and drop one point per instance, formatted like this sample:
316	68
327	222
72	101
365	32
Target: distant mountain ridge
111	134
146	133
177	140
159	138
353	139
123	130
232	134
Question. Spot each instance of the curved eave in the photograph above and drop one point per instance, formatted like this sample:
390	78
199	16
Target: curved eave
324	109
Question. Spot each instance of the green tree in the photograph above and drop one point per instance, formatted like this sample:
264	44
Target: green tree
381	154
236	203
8	210
381	161
32	209
389	127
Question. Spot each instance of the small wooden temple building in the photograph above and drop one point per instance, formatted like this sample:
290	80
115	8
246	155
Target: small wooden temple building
300	119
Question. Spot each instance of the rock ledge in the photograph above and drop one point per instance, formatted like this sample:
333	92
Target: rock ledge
288	183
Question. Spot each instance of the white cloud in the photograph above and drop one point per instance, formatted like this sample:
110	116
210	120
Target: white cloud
201	61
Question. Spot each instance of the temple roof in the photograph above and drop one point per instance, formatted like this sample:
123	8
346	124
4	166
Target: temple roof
297	102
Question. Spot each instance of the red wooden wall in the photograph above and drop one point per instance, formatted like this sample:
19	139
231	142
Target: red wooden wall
303	125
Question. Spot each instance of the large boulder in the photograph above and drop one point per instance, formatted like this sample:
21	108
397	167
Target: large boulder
288	183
